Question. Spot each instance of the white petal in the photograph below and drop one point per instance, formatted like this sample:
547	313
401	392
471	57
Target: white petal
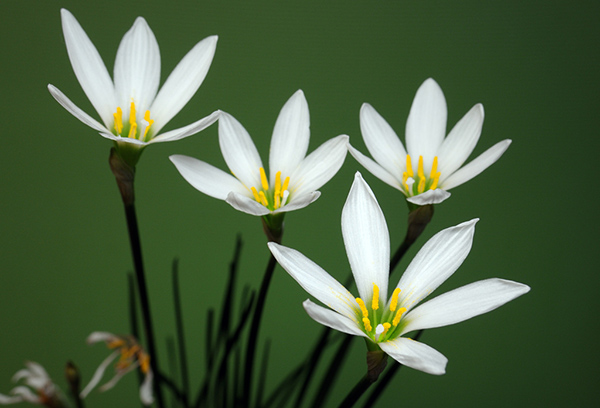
99	373
426	124
183	82
315	280
137	69
319	166
463	303
26	394
239	151
482	162
243	203
460	142
381	140
146	389
332	319
117	377
188	130
89	68
206	178
367	240
374	168
416	355
439	258
429	197
95	337
75	110
290	136
299	202
5	399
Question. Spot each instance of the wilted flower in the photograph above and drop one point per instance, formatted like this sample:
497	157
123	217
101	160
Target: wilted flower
431	164
38	388
384	322
130	108
130	356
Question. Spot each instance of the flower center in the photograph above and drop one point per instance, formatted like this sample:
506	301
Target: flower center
275	198
413	186
130	128
380	324
130	353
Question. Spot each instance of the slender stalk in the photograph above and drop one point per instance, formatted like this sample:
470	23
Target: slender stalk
254	330
74	380
418	218
356	392
124	175
332	372
185	381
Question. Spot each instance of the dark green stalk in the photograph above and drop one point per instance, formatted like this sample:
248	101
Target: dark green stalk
185	381
254	330
332	372
356	392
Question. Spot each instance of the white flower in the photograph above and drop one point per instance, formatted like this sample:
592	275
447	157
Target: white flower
131	110
38	388
430	165
130	355
385	321
293	178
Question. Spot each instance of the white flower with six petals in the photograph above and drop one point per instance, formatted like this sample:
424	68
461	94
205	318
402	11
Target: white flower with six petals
38	388
293	178
431	164
385	321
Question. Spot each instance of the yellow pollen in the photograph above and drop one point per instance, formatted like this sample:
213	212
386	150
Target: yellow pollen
363	308
394	302
277	184
434	168
263	179
436	179
367	324
375	303
409	169
116	344
255	193
386	327
399	314
420	171
144	360
285	185
150	122
118	120
277	199
263	199
127	353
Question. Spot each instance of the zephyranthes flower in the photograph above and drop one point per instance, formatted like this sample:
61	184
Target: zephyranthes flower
130	356
38	388
384	321
293	178
430	165
132	112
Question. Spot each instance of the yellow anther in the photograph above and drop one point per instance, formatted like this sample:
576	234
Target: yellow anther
421	186
263	199
375	303
434	168
409	169
436	179
394	302
386	327
420	171
367	324
277	184
150	122
132	122
144	361
116	343
263	179
127	353
255	193
363	308
286	183
118	120
399	314
277	200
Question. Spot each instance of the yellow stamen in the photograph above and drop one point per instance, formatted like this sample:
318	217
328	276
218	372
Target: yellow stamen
386	327
255	193
277	199
434	168
436	179
399	314
144	360
132	122
118	120
263	179
420	171
150	122
277	184
127	353
116	343
363	308
286	183
367	324
409	169
375	303
263	199
394	302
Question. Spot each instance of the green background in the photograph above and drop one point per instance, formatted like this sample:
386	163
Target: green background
534	65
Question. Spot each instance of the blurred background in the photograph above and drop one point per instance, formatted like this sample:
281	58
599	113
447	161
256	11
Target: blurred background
534	65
